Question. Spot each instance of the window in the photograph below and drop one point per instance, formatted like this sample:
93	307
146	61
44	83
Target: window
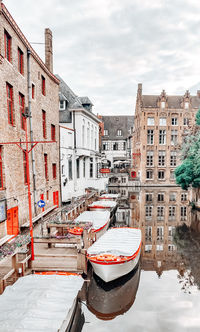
25	168
172	196
83	135
171	231
1	168
115	146
123	180
183	213
148	233
160	212
149	174
162	104
54	171
184	197
172	212
149	197
43	86
161	158
84	167
53	132
7	45
171	247
91	167
174	137
47	195
172	175
44	123
150	121
173	158
159	247
20	61
161	175
148	211
9	90
148	247
78	168
105	132
119	132
70	140
174	121
45	166
63	169
162	136
186	121
149	161
33	91
22	110
160	233
62	104
105	146
162	121
70	174
150	136
123	145
186	105
161	197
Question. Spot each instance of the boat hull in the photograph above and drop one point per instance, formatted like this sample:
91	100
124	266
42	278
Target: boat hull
111	271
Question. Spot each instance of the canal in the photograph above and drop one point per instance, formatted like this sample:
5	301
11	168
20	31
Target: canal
163	293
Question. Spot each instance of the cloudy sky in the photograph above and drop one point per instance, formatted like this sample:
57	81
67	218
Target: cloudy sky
104	48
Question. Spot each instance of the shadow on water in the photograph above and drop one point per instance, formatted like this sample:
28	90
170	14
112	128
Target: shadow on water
188	245
108	300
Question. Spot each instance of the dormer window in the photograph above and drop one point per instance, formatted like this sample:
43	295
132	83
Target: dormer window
186	105
162	104
119	132
62	104
105	132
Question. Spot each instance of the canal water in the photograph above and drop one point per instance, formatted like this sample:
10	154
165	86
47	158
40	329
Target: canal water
163	293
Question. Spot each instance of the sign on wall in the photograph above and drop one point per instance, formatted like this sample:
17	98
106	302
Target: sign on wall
3	214
104	170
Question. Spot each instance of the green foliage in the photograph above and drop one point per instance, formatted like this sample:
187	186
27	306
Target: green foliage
188	173
198	118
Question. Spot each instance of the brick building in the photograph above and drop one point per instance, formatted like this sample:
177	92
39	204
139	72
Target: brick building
27	85
160	123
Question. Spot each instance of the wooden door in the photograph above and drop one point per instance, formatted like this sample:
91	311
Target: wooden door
12	221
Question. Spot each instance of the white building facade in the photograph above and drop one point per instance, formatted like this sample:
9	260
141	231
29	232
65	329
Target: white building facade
79	145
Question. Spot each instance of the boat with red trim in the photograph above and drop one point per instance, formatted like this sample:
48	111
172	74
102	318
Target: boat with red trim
115	253
111	197
99	220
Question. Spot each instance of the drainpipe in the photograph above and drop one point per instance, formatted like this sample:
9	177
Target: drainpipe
75	175
31	129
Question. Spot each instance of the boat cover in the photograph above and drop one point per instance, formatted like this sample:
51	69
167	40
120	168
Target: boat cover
104	204
97	218
113	196
38	303
122	241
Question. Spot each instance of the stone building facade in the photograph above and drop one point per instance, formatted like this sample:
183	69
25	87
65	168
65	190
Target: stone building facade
27	85
115	138
161	121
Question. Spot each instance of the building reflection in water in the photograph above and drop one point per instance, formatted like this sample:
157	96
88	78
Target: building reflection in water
157	211
108	300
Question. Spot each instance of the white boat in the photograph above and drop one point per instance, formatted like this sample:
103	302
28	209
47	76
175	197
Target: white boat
40	303
112	197
99	220
115	253
103	205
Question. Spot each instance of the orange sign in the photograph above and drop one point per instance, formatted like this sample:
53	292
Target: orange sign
104	170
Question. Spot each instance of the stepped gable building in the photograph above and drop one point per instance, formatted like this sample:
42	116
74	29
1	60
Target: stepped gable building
79	144
161	121
115	138
27	86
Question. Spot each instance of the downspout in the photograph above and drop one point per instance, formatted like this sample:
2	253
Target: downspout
31	128
75	175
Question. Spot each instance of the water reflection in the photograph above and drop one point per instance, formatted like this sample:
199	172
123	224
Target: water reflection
168	297
108	300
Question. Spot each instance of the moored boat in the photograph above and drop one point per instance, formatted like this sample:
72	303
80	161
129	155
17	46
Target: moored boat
112	197
99	220
115	253
104	205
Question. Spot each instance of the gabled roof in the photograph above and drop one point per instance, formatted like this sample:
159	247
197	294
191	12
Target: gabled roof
172	101
116	122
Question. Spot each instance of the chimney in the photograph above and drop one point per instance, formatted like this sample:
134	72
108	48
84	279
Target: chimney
139	92
48	49
198	93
